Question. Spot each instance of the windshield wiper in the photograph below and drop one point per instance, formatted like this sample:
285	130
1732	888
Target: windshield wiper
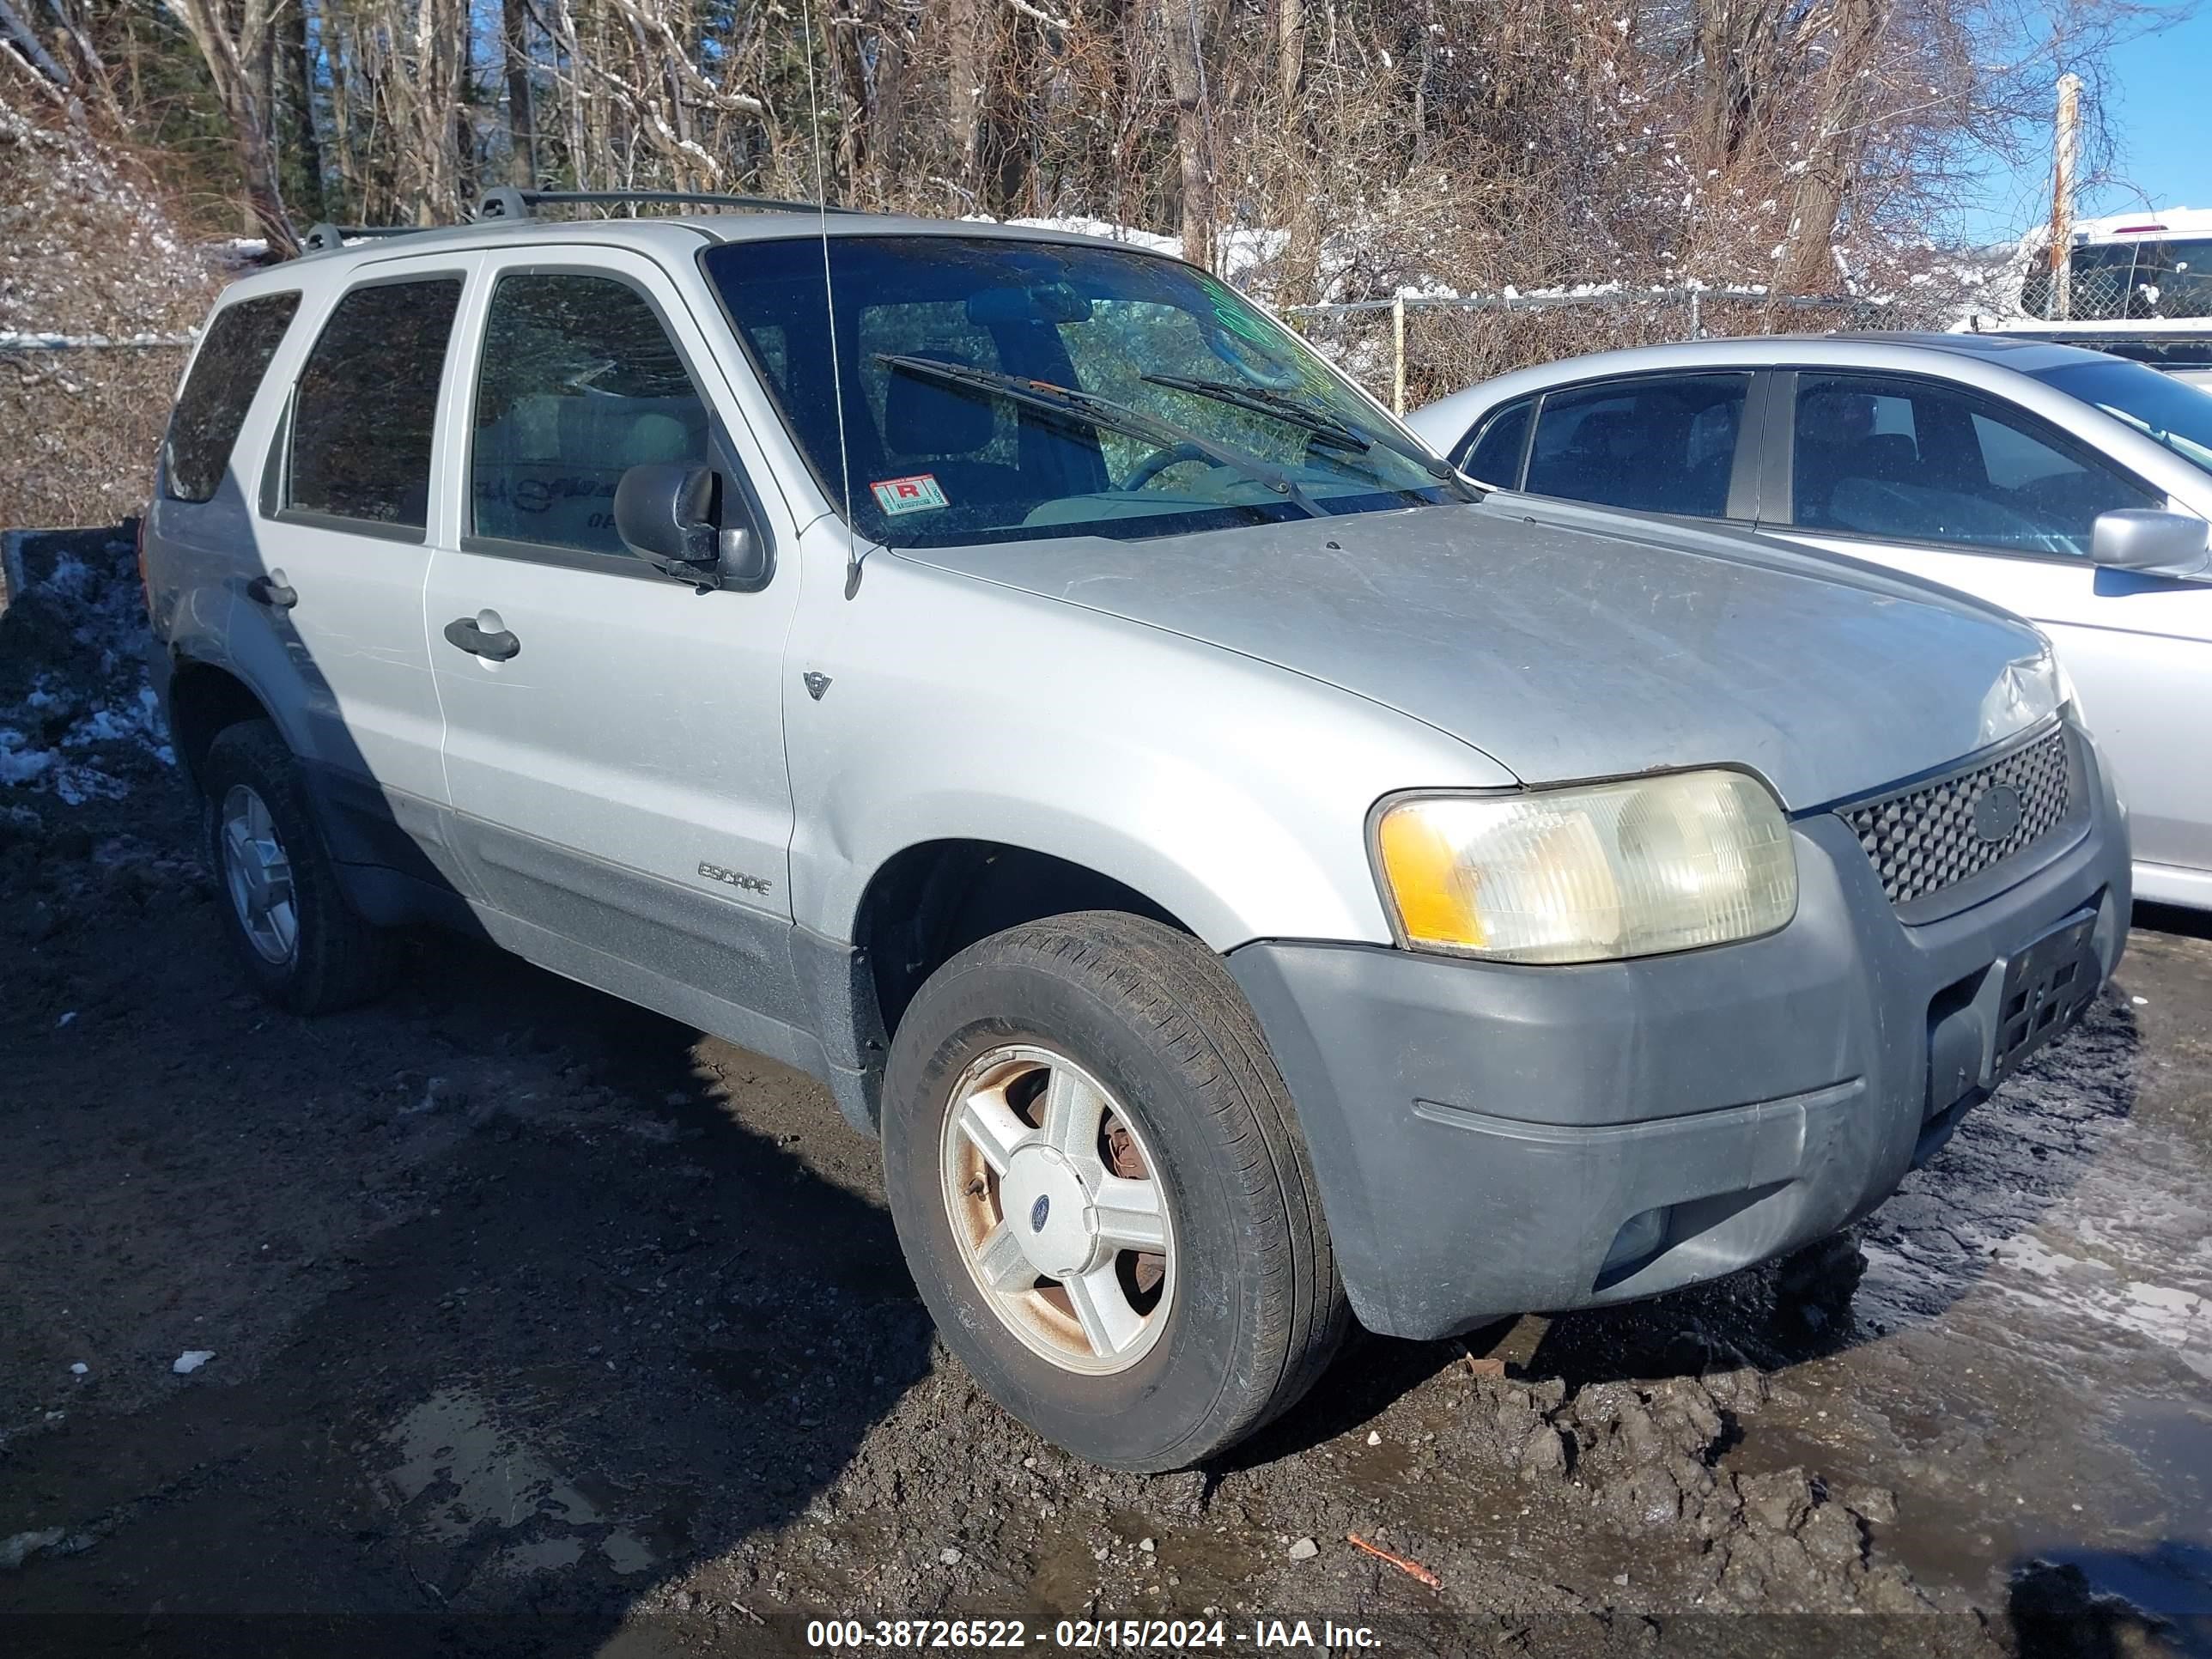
1069	404
1265	400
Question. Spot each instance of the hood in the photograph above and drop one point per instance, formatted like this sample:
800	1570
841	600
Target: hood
1567	644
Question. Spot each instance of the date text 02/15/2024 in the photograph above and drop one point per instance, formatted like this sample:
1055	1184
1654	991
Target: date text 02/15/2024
1089	1635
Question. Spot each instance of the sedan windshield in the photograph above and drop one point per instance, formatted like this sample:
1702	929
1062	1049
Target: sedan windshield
997	390
2170	412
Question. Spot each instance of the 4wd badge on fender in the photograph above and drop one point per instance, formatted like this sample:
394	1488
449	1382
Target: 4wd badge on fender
735	877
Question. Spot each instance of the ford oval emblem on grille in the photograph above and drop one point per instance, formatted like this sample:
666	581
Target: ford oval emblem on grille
1996	812
1038	1212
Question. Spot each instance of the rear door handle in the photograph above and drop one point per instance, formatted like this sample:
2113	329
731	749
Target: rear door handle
493	647
269	591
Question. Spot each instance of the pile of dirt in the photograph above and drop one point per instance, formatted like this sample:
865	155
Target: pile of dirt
90	251
87	245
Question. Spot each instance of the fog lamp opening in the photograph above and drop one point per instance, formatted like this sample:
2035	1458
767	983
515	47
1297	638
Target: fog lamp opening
1639	1236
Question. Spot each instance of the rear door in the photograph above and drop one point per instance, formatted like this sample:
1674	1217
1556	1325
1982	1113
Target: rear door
618	781
1979	494
346	496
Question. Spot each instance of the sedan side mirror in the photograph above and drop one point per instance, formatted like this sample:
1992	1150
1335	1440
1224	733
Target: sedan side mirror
685	522
2154	543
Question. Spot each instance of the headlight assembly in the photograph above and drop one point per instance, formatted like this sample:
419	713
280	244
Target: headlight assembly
1592	873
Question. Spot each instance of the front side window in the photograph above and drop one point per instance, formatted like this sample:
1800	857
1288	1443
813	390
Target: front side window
996	389
366	410
578	382
1660	443
1913	461
212	407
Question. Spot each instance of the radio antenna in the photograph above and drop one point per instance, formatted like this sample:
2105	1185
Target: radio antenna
830	299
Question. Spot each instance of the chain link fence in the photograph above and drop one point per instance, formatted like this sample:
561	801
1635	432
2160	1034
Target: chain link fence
1410	351
90	409
2109	283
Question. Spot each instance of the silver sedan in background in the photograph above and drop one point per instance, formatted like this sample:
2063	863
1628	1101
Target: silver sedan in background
2069	486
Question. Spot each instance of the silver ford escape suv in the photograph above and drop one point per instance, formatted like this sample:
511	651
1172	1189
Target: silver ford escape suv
1247	877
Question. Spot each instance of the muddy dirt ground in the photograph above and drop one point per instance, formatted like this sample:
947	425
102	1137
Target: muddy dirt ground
541	1325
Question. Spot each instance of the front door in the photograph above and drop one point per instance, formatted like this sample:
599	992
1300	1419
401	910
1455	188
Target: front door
614	740
1980	496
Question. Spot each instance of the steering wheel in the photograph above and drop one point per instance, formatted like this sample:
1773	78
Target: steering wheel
1159	462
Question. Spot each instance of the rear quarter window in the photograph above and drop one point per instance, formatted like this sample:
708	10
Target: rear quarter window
203	427
1494	455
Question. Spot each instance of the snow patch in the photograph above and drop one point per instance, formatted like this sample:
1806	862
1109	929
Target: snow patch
80	731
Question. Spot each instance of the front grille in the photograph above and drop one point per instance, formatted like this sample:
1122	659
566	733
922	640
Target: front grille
1925	840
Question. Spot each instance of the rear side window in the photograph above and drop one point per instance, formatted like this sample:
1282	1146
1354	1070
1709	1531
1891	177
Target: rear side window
366	406
1661	443
212	406
1494	456
579	382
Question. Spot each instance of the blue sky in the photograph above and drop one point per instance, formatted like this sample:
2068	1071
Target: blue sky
2159	86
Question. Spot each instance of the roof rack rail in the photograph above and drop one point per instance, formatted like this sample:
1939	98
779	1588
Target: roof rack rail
322	238
508	203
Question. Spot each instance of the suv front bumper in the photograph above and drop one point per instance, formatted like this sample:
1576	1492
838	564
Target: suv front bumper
1482	1131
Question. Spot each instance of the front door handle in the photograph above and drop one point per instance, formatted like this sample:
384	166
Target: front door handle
492	647
271	592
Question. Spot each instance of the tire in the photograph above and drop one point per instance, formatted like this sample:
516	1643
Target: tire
1247	1308
333	958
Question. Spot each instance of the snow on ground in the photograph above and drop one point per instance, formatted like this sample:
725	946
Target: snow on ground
81	733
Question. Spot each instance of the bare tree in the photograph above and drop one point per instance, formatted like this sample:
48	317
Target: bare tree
298	72
521	138
1845	91
1484	140
1190	31
232	78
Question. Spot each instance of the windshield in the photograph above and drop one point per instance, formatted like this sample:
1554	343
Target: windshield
2170	412
1004	391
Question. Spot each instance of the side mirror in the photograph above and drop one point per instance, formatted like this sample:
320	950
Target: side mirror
685	522
665	513
2154	543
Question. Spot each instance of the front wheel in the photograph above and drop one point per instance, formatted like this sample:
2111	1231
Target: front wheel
1102	1194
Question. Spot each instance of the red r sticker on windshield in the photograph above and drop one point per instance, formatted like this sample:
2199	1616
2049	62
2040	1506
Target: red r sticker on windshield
914	494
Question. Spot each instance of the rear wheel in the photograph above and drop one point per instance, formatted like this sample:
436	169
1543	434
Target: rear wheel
1102	1194
303	945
